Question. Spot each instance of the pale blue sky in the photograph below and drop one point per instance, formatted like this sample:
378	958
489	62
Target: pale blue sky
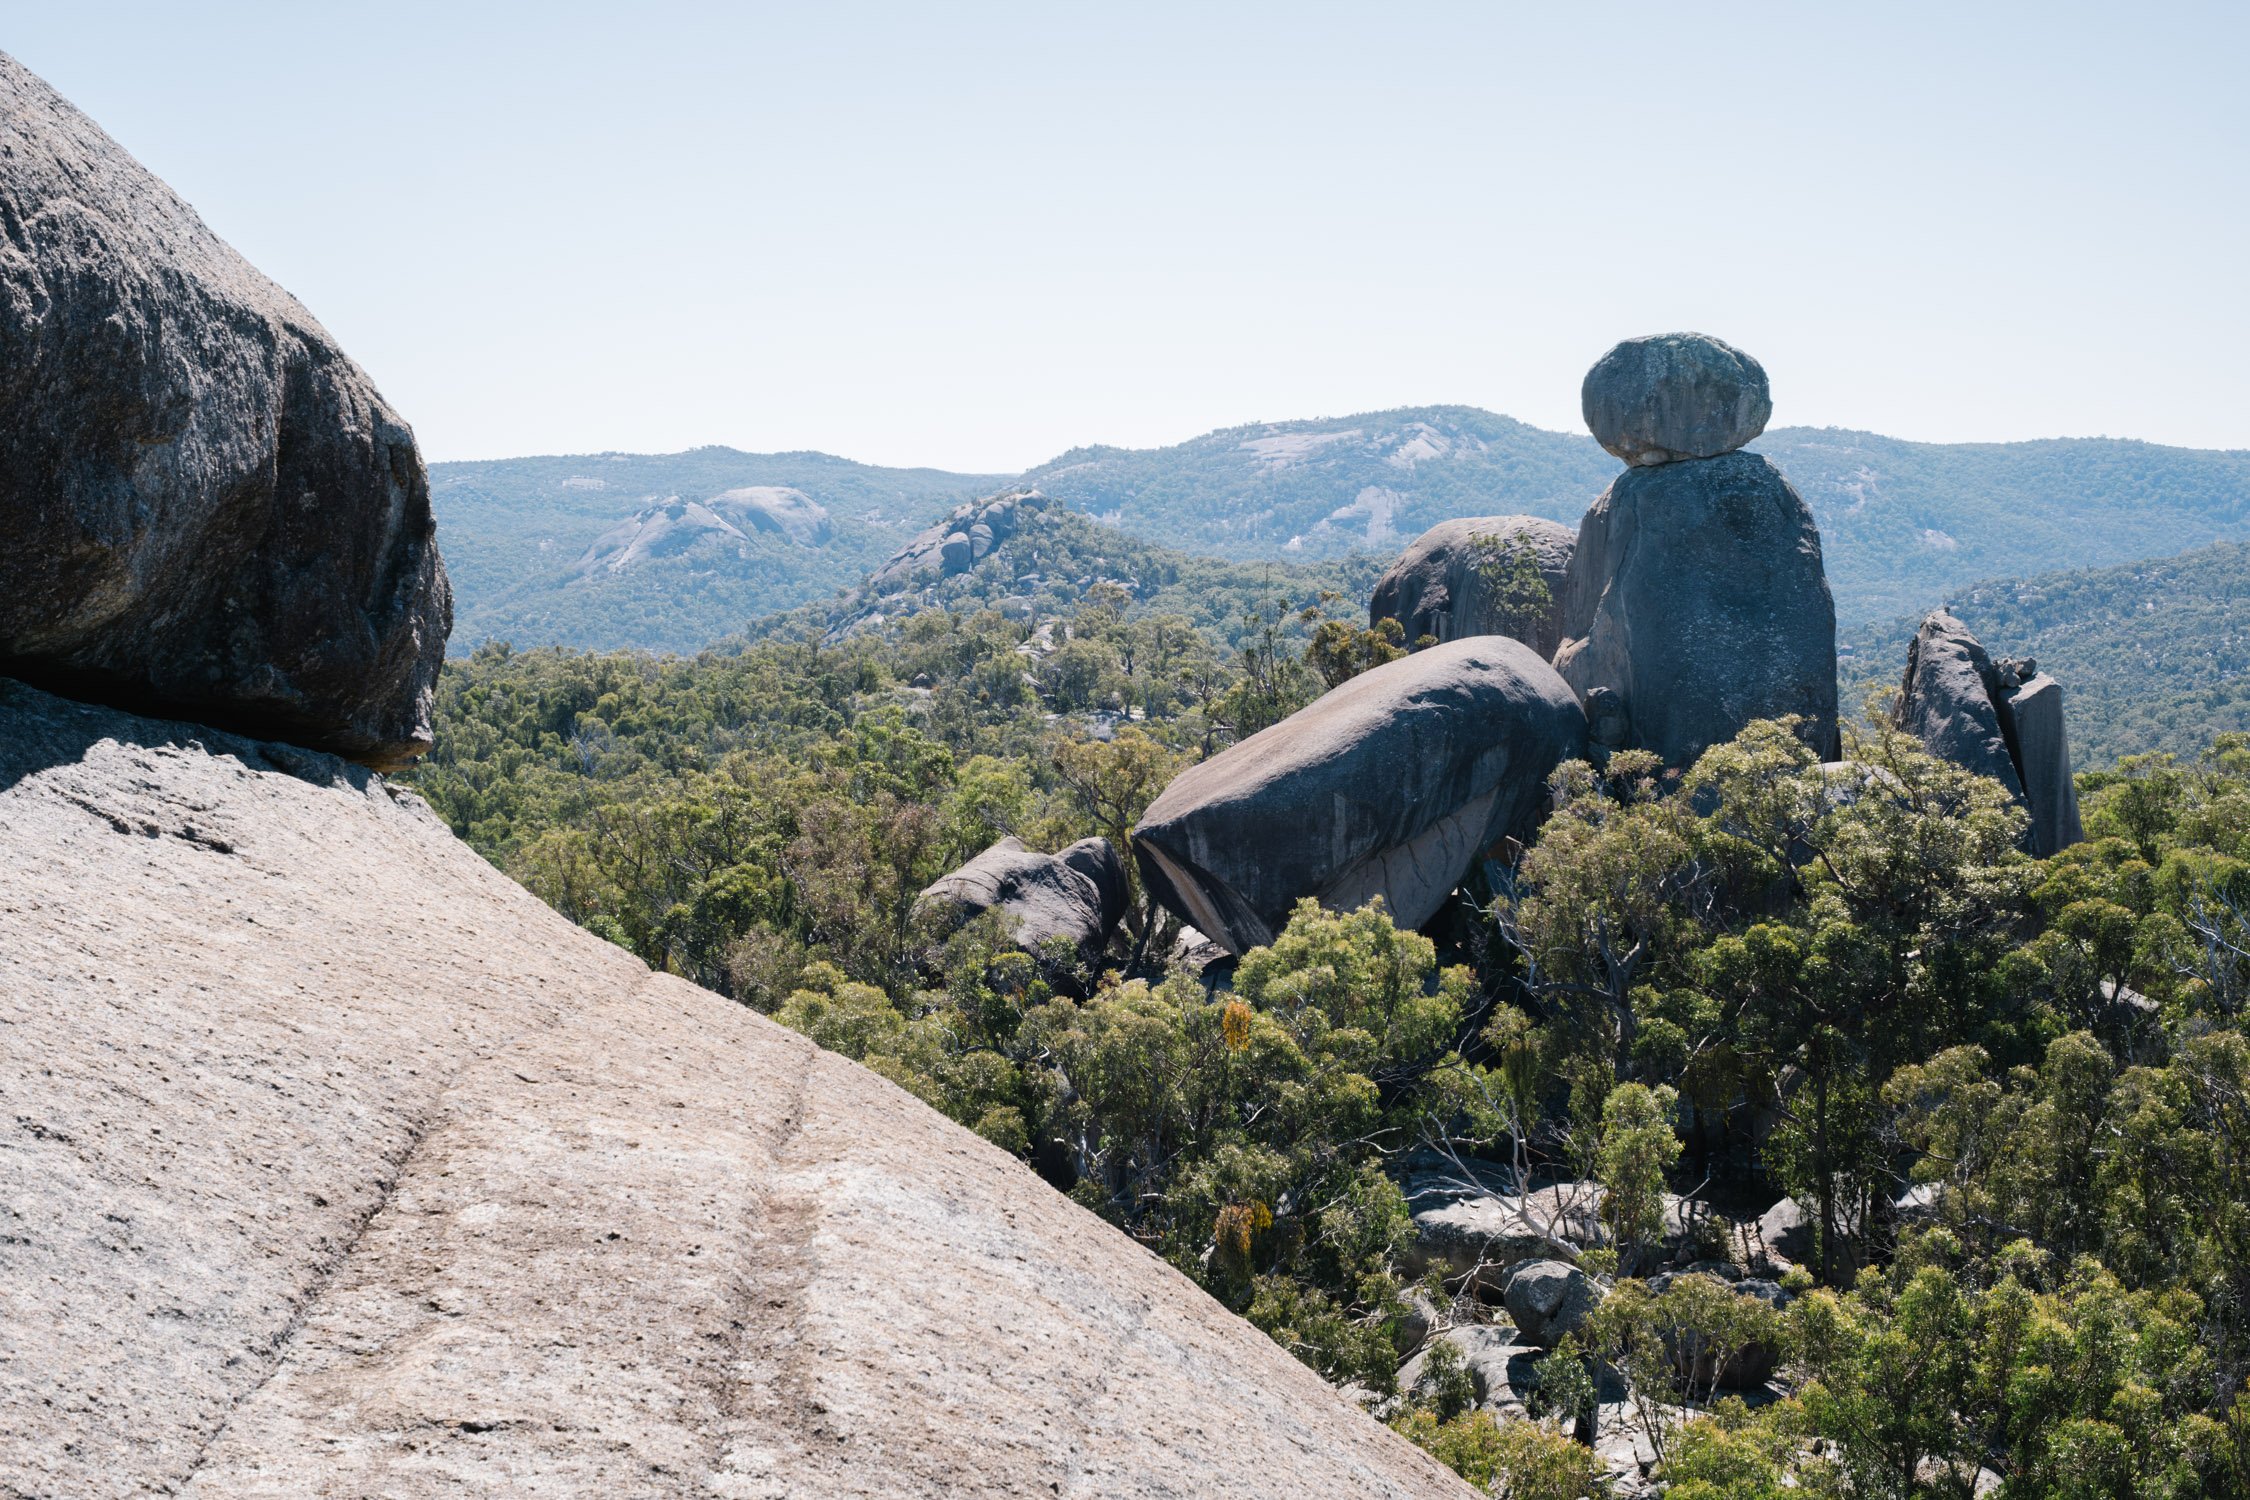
973	235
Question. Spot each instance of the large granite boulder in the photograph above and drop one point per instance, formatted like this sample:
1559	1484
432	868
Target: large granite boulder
1697	596
1077	895
1503	1370
1549	1299
1390	785
1441	585
333	1163
2002	719
956	543
204	505
1672	396
1473	1227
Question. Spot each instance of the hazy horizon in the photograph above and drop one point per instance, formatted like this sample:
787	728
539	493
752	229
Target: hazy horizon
976	238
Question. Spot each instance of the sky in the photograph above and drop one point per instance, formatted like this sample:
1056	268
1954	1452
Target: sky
974	235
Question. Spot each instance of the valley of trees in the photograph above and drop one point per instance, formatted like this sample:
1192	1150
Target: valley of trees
2012	1096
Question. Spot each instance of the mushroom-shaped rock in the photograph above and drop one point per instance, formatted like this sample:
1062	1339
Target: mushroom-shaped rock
1078	895
1697	595
2002	719
1669	396
1467	577
204	505
1549	1299
1389	785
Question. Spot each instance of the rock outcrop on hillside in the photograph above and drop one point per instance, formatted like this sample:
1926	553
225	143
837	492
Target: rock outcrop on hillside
1697	596
204	505
1390	785
1440	586
954	544
338	1165
2002	719
670	526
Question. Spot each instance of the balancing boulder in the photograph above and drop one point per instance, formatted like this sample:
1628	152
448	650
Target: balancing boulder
1390	785
1674	396
204	505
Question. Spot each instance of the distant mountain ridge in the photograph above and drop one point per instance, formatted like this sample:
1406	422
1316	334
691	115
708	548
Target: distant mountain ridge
1903	524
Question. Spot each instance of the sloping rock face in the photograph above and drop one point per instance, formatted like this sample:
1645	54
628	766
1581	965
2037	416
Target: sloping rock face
2002	719
1077	895
1674	396
668	527
204	506
1697	595
1439	588
955	544
1389	785
337	1165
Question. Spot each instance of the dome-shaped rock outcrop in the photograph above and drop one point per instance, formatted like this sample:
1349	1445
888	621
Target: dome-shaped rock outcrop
204	505
337	1165
1077	895
1389	785
1673	396
1458	579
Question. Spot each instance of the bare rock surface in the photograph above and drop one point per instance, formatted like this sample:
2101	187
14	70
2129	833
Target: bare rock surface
1502	1368
1698	597
205	507
1674	396
671	526
954	545
2001	718
1389	785
337	1165
1439	586
1550	1299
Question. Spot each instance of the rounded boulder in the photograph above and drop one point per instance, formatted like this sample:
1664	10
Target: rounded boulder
1673	396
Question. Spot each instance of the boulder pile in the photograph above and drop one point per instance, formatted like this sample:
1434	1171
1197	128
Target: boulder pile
1695	600
1443	585
955	544
1999	718
205	507
1390	785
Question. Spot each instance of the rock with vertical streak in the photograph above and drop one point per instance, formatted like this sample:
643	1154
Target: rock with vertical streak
1390	785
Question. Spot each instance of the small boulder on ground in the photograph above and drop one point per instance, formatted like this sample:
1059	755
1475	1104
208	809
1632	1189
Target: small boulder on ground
1697	596
1077	895
1674	396
205	506
1998	718
1550	1299
1390	785
1501	1368
1444	586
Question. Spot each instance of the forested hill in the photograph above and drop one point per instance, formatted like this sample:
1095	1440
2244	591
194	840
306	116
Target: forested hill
515	532
1905	524
2152	655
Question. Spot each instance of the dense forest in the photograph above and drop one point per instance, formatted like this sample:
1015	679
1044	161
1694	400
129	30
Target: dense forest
2006	1100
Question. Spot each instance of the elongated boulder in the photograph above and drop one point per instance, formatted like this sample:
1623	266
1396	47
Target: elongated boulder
1697	595
2002	719
1674	396
334	1164
204	505
1389	785
1077	895
1469	577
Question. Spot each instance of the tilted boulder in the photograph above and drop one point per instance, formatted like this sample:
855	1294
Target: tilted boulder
1078	894
1389	785
1697	595
1440	585
1673	396
341	1166
2002	719
1550	1299
204	505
